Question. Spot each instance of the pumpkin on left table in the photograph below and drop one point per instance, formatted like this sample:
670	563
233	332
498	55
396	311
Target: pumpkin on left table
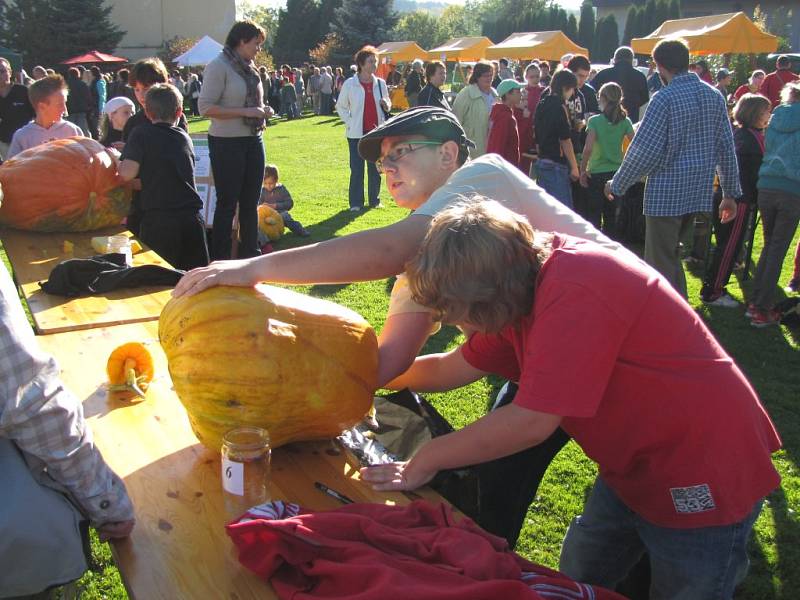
64	185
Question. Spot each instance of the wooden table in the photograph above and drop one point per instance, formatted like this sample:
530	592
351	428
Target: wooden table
179	548
33	256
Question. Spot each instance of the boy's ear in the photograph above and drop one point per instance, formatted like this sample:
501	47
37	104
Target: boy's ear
179	113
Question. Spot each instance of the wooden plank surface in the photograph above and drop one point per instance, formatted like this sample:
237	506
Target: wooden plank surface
179	548
34	255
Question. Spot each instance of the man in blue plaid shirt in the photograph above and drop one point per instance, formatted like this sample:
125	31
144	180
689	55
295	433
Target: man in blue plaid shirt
684	137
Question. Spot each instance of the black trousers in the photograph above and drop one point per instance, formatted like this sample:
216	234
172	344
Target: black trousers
508	485
179	237
237	164
730	239
600	211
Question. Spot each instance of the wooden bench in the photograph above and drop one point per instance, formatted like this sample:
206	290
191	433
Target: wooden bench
179	548
34	255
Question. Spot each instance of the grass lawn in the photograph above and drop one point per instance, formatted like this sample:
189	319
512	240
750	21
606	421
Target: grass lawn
312	156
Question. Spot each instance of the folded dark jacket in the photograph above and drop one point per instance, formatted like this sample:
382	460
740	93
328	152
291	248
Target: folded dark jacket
104	273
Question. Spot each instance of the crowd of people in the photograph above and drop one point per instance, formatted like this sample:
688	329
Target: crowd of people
540	250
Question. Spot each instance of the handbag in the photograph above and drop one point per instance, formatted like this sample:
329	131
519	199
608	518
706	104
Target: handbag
386	114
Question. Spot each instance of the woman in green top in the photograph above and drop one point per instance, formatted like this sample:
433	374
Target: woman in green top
602	156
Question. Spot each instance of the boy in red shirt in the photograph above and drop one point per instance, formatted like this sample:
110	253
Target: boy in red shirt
503	134
601	345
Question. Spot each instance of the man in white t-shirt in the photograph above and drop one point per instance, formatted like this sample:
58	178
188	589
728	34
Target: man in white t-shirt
423	154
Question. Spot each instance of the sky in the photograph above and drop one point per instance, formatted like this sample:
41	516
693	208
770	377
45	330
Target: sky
569	4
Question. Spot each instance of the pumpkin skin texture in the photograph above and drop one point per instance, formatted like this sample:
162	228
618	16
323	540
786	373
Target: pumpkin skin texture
65	185
270	222
300	367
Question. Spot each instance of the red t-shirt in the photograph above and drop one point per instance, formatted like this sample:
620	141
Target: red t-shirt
370	112
773	84
642	386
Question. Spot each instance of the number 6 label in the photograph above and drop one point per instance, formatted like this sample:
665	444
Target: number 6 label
233	477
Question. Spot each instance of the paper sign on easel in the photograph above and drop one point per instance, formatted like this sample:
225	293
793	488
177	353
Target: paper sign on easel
203	177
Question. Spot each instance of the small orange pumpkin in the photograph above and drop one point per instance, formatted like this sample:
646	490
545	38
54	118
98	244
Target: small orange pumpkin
130	370
270	222
64	185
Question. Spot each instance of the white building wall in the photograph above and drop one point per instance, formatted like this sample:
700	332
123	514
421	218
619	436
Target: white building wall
149	23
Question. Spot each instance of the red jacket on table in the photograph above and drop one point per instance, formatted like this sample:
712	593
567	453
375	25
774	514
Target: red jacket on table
773	84
503	135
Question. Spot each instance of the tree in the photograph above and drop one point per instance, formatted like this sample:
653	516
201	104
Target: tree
675	9
264	16
586	26
49	31
297	29
174	48
418	26
361	22
606	39
458	21
631	22
650	17
571	31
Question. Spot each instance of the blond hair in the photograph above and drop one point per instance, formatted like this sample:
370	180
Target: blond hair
748	108
790	94
477	265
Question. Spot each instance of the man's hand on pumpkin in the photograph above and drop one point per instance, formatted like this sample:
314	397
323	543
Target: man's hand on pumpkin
224	272
397	476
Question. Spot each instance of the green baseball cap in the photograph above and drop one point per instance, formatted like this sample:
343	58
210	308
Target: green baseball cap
507	85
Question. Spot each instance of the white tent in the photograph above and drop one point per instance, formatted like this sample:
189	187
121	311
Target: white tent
202	53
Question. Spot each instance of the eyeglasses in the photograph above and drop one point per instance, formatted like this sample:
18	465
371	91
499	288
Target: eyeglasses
393	157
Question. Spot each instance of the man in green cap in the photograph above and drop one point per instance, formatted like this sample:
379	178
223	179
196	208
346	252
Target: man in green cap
423	152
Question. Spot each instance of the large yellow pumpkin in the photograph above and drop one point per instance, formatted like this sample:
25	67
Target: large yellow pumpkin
300	367
270	222
63	185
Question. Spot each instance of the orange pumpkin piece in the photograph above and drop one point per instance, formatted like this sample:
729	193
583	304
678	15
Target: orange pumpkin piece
130	370
64	185
270	222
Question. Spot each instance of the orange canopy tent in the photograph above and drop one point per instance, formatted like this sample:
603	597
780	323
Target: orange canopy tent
94	57
461	49
718	34
548	45
396	52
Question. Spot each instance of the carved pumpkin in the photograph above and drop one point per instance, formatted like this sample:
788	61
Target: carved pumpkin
64	185
300	367
270	222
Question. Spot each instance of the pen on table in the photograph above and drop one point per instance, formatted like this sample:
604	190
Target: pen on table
332	493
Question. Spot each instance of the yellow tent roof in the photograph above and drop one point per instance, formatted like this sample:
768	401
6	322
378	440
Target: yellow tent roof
463	48
549	45
719	34
400	51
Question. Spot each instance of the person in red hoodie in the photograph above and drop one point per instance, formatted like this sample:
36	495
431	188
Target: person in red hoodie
773	83
503	134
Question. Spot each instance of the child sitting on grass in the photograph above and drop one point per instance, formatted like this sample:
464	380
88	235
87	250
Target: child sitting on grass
278	197
682	475
48	97
161	155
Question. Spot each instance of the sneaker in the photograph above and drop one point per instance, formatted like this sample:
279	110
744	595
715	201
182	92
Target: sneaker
267	248
378	205
693	260
724	300
793	287
751	310
765	318
355	209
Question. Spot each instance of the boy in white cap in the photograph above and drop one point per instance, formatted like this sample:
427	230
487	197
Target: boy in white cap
503	133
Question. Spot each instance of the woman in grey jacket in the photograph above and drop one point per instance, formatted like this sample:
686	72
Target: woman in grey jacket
232	96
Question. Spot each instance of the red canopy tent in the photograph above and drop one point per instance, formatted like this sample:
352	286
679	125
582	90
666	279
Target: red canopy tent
94	57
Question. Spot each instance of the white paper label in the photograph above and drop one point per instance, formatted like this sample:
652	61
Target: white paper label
233	477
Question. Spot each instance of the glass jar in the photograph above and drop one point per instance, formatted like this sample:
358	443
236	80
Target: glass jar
246	456
121	244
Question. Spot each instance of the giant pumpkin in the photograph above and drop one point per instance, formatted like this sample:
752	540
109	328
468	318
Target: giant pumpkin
63	185
300	367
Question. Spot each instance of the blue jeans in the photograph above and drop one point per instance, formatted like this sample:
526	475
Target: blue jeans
608	539
237	164
553	177
356	191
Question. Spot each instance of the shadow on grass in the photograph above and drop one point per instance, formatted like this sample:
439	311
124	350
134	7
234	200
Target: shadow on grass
336	120
327	228
327	290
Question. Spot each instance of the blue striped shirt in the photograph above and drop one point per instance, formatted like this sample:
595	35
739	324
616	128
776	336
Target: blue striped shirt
685	135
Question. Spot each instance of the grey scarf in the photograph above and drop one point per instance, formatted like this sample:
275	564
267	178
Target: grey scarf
252	79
